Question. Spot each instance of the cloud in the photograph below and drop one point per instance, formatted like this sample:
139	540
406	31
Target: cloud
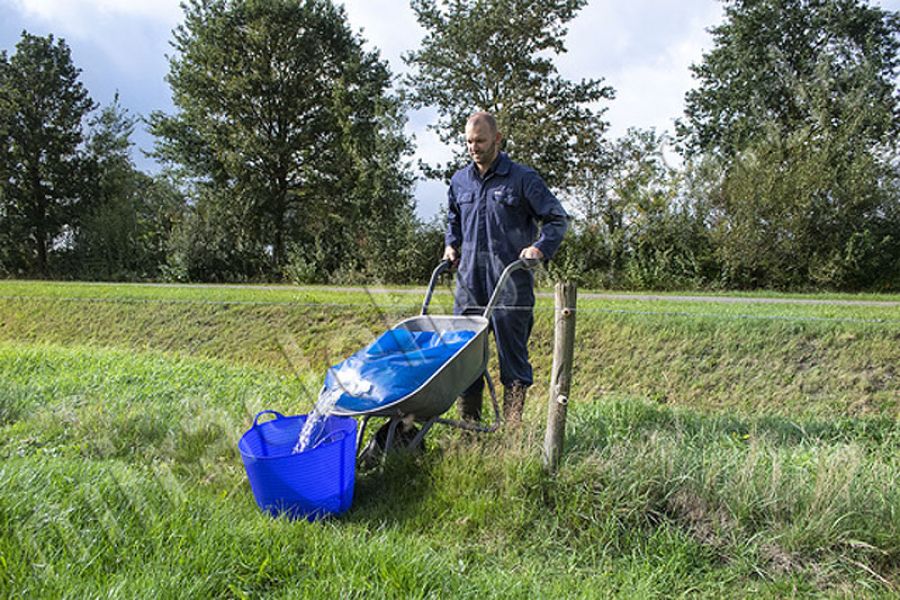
82	16
132	35
643	49
389	26
652	94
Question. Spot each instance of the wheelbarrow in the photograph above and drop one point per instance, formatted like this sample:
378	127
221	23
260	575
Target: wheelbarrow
462	358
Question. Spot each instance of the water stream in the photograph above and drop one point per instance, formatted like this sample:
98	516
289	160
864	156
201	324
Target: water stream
390	368
348	380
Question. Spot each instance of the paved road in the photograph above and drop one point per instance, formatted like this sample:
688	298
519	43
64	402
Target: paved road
740	299
589	295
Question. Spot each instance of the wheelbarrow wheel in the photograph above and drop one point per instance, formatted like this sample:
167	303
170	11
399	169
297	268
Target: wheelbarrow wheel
404	438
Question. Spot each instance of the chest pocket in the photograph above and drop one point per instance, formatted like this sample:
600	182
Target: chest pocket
466	205
505	197
509	216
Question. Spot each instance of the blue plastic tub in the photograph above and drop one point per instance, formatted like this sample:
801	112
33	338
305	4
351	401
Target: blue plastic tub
312	484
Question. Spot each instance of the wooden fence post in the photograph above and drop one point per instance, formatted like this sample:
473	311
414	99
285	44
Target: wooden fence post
561	377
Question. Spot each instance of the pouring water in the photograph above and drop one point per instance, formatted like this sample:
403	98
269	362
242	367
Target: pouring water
348	380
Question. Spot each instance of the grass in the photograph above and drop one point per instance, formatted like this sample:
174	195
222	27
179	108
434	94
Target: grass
713	451
820	358
263	293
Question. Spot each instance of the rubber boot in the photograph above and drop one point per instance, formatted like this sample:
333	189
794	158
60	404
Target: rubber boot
469	405
514	402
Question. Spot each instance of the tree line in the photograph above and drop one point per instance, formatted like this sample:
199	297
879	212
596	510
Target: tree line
286	157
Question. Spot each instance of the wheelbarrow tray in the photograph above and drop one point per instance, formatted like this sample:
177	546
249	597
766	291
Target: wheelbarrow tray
451	377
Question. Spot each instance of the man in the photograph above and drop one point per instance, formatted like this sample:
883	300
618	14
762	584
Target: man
494	207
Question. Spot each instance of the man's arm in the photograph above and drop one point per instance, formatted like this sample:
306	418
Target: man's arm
453	235
550	212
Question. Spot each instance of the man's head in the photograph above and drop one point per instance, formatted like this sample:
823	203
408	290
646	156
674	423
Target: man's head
482	139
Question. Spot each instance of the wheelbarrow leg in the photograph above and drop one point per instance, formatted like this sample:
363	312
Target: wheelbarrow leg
388	436
392	431
359	436
417	441
374	453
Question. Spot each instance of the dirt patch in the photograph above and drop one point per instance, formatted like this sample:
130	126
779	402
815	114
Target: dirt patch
779	560
708	525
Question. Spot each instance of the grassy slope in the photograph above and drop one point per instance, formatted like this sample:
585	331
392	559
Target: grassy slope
787	358
723	450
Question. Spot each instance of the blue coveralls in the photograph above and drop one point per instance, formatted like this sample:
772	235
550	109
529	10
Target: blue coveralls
490	220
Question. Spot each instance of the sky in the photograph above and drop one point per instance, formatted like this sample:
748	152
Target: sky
642	48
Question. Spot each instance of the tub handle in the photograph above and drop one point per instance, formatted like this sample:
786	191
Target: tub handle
277	414
333	436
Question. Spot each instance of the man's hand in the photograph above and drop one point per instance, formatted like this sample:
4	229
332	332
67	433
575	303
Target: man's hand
451	254
531	253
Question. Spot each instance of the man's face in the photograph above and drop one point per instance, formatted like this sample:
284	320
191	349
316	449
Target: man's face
483	144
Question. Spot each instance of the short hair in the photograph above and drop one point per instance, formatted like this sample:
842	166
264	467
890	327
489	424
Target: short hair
483	116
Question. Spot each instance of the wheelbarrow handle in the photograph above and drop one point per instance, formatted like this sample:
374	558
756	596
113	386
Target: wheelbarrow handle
442	266
522	263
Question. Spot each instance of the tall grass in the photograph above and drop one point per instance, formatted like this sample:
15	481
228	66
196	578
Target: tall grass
713	450
121	478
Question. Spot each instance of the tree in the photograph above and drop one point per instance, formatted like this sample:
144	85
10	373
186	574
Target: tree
798	107
286	126
128	217
42	104
791	64
635	225
496	56
796	213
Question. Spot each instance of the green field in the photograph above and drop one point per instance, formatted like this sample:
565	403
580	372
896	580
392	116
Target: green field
713	449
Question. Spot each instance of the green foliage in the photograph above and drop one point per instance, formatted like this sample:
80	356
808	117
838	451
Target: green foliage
789	63
817	356
122	477
636	226
798	210
714	449
411	254
496	56
288	134
42	104
127	217
215	243
407	255
288	158
73	206
794	125
792	179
